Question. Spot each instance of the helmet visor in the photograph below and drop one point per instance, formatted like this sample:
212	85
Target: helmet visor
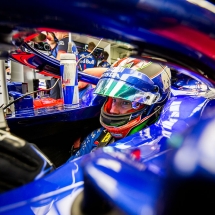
120	89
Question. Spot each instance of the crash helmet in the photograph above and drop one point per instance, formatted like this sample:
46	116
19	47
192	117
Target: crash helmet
143	83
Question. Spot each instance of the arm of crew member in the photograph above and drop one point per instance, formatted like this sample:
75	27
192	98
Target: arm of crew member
98	71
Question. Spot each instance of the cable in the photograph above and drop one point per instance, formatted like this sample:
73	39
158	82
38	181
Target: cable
90	52
53	85
29	94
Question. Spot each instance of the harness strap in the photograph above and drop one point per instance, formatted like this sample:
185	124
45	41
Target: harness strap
104	139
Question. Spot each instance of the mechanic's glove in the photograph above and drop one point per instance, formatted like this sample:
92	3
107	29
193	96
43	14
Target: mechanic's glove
20	162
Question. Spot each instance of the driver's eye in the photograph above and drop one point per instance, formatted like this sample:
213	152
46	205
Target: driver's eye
123	104
126	104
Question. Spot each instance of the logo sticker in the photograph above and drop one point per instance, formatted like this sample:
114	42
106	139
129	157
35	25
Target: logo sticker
61	43
106	138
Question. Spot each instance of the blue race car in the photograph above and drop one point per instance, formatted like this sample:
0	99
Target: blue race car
165	168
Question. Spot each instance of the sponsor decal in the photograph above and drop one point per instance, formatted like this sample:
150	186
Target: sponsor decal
87	61
116	135
61	43
111	75
106	138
